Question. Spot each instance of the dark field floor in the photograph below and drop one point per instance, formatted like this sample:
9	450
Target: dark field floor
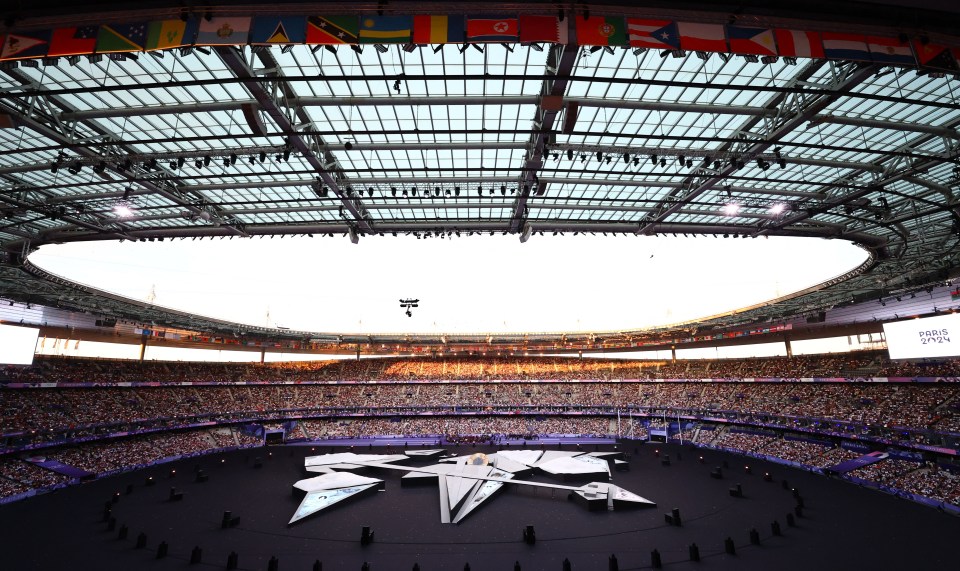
844	527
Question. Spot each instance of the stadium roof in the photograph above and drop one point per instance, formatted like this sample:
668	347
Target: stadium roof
506	136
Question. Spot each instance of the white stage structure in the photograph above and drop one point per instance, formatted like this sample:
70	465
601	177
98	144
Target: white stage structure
465	482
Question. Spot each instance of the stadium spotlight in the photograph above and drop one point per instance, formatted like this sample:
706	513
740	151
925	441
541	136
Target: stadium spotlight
731	209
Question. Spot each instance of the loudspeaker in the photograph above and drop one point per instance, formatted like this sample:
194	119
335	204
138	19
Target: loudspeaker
141	541
162	550
655	560
736	491
613	564
124	530
317	566
196	556
775	528
273	564
529	535
232	560
754	537
790	521
716	473
729	546
366	536
694	552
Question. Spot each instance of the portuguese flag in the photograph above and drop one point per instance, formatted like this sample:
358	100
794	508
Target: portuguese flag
601	31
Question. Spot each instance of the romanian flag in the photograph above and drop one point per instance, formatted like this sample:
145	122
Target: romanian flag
795	43
166	34
543	29
702	37
492	29
890	50
386	29
271	30
224	31
934	56
122	37
73	41
333	30
22	46
755	41
601	31
438	30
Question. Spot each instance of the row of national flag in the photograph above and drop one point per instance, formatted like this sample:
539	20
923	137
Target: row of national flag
423	30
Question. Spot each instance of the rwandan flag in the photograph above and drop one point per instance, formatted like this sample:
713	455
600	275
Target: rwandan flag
113	38
386	29
166	34
333	30
270	30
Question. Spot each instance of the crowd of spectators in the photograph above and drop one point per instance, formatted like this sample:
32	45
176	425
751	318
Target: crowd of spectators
18	476
454	427
920	406
849	365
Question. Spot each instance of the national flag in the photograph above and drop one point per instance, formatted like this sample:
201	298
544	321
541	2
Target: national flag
223	31
79	40
543	29
22	46
845	46
890	50
934	56
438	30
271	30
333	30
756	41
654	34
796	43
601	31
122	37
386	29
492	29
702	37
166	34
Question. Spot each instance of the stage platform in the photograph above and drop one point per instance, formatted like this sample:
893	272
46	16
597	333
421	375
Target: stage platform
840	522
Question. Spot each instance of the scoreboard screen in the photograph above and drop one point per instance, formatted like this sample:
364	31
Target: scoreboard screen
919	338
17	344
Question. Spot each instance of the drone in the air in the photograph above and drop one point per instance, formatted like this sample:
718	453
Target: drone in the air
408	303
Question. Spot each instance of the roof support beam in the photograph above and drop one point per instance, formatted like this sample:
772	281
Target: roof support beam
560	63
255	85
795	112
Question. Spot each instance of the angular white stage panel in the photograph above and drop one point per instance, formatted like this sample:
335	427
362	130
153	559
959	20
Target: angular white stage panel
525	457
333	480
316	501
328	489
485	491
575	466
326	463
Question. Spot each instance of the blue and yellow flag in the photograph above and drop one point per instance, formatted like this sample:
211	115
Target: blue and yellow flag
386	29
